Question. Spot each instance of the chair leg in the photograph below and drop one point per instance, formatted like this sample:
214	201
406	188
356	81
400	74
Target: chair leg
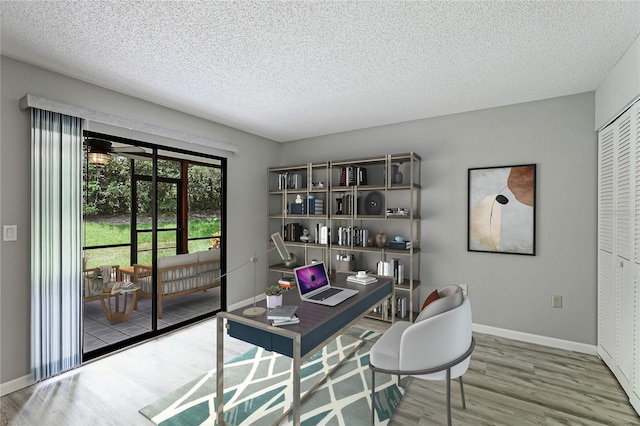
449	396
373	398
464	404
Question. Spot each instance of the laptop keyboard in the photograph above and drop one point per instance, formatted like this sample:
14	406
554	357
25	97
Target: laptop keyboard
325	294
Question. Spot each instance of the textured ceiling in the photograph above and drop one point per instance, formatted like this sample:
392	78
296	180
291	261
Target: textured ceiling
291	70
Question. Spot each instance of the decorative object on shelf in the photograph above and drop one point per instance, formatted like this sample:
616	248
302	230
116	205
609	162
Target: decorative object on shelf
370	242
373	203
298	199
339	204
396	174
291	262
501	212
345	263
397	211
361	176
317	185
400	245
305	236
381	239
274	295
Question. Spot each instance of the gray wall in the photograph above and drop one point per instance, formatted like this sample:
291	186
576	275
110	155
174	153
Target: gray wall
247	173
507	291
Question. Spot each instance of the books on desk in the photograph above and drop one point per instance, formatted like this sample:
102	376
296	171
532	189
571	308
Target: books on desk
362	281
293	320
282	312
283	315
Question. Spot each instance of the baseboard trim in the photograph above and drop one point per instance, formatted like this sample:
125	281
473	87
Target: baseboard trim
537	339
16	384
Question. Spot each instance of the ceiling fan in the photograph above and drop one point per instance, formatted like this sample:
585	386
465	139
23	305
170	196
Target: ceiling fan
99	150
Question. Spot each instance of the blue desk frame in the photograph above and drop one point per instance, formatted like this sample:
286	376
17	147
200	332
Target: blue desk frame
318	326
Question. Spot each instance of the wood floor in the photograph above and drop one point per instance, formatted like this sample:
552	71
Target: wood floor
508	383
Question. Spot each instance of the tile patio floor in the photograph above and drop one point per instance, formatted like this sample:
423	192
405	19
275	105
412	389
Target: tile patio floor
98	332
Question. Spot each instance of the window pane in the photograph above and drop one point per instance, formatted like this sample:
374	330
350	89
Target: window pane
205	193
167	205
199	245
169	169
106	256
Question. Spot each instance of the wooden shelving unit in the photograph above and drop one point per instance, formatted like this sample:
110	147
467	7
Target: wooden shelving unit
355	196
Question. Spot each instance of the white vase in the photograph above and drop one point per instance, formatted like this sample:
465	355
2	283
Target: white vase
273	301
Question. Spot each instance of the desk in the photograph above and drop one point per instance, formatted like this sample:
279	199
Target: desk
318	326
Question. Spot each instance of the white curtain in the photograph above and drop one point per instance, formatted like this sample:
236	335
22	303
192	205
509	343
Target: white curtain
56	251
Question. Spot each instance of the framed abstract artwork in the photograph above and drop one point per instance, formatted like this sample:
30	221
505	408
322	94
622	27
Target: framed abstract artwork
502	210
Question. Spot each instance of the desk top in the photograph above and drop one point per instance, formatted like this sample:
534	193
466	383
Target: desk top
317	322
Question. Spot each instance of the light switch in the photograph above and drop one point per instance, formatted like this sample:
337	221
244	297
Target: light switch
10	233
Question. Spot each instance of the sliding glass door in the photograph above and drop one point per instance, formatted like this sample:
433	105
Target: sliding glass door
153	220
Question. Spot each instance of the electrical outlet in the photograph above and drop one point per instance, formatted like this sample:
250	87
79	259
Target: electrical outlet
556	301
464	289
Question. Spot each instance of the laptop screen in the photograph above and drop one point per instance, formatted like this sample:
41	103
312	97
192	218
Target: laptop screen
311	277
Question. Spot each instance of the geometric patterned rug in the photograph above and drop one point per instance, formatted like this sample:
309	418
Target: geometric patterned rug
258	391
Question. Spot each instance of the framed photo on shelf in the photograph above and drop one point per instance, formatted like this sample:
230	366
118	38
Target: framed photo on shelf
502	210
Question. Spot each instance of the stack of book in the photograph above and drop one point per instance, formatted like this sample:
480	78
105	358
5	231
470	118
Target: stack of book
316	206
287	282
283	315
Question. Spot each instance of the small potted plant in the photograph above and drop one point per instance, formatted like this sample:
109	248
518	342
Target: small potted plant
274	295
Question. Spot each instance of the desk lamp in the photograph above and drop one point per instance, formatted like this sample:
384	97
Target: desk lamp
257	311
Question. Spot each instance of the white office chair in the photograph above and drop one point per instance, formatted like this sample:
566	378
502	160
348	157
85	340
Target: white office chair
437	346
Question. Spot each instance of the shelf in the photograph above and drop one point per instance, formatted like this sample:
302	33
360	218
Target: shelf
359	161
281	268
359	188
405	286
288	168
375	249
402	217
387	317
404	186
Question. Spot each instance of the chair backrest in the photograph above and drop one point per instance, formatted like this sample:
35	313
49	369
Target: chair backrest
438	340
450	297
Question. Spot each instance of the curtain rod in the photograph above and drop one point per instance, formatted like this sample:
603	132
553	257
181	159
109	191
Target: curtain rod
32	101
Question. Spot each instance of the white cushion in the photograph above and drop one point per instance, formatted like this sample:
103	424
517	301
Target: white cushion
208	255
385	352
177	260
450	297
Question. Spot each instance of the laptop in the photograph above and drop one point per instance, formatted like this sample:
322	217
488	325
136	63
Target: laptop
313	286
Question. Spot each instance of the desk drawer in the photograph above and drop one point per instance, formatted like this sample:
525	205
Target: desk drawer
269	341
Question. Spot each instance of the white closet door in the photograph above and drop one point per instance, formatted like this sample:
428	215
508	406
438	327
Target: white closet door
624	253
635	141
606	243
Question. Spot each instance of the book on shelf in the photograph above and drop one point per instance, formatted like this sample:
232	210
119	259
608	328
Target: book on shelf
282	312
293	320
287	282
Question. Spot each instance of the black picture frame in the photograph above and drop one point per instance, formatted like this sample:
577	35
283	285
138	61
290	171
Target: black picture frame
502	209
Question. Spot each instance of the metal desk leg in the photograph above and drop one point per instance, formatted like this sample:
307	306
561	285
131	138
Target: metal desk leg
219	370
296	380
